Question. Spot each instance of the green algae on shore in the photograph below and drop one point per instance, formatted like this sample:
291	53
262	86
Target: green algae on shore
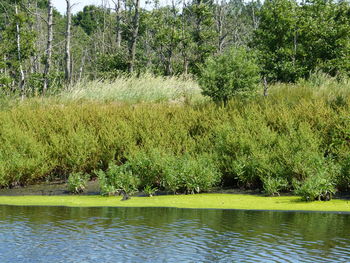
210	201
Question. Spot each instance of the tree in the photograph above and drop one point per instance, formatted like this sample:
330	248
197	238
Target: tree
165	26
49	45
16	45
294	40
19	54
229	74
277	40
200	14
118	27
68	62
90	19
134	13
324	36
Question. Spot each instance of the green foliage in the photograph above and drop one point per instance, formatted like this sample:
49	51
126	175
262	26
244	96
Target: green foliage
117	179
77	182
343	180
226	75
317	187
149	190
201	18
267	143
183	174
296	39
10	57
273	186
90	19
112	66
191	175
323	36
275	40
149	167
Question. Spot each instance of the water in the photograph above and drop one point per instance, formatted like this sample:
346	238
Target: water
58	234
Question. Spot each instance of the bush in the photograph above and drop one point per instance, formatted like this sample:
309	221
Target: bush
291	134
319	186
343	180
149	167
118	180
228	74
191	175
149	190
77	182
273	186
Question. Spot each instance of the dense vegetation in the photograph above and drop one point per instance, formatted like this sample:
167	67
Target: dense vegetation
128	101
41	50
295	139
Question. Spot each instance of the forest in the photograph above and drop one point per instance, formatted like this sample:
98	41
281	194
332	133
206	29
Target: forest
43	50
182	98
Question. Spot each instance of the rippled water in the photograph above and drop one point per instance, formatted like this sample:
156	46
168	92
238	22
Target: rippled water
58	234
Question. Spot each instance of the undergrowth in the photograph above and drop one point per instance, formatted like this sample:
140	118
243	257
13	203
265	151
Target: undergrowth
299	133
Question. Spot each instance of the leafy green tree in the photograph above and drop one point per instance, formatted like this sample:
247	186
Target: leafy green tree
324	36
200	15
276	39
16	45
165	27
90	19
294	40
228	74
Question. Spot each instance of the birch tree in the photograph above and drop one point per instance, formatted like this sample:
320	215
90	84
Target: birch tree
19	55
49	45
68	61
134	34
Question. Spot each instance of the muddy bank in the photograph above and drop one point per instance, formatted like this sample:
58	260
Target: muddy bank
50	188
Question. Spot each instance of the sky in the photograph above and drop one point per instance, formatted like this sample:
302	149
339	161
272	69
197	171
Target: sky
61	4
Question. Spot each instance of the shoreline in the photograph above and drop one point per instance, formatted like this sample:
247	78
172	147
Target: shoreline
198	201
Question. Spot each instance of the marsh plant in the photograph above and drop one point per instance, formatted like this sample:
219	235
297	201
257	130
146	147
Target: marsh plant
118	180
149	190
273	186
319	186
295	133
132	89
77	182
191	175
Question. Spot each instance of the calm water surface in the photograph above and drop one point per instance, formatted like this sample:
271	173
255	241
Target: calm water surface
58	234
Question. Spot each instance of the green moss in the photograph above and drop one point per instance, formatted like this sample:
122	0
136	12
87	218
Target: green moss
216	201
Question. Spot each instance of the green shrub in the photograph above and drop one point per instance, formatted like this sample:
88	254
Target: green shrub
117	180
343	180
273	185
228	74
77	182
149	190
319	186
149	167
291	134
191	174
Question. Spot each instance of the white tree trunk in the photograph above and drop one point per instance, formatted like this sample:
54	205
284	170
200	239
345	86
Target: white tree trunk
49	46
68	62
132	48
19	56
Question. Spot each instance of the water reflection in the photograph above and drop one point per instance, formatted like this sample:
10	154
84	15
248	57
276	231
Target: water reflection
59	234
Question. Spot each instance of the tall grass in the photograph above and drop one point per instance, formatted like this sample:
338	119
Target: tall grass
146	88
299	133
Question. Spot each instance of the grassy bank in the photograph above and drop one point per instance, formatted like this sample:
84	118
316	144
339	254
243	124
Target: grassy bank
211	201
296	138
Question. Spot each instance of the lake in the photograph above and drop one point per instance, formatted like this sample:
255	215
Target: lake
61	234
